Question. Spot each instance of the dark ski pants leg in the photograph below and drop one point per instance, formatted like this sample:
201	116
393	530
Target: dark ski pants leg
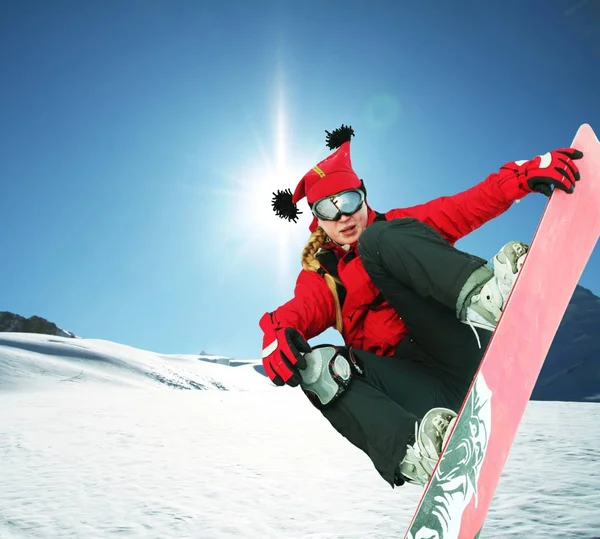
421	275
379	410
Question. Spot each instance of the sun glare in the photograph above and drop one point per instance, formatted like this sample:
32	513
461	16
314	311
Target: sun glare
250	223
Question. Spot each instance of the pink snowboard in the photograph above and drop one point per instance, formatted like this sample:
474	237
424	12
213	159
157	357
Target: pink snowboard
456	500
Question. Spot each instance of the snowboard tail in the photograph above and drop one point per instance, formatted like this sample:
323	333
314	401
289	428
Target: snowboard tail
457	498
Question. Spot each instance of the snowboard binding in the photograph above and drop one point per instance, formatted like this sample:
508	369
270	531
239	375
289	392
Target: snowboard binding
327	375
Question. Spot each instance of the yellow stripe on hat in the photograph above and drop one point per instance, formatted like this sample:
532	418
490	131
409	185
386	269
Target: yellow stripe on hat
319	172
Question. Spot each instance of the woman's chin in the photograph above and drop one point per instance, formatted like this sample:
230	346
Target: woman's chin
351	236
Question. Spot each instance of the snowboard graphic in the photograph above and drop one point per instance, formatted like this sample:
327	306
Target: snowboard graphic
457	498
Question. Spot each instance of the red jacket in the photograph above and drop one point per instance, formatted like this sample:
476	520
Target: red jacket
379	330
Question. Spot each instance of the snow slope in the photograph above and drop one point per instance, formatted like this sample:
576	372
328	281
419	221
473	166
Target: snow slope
31	360
100	440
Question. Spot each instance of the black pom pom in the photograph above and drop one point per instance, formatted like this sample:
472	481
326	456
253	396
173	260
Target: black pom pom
338	136
284	207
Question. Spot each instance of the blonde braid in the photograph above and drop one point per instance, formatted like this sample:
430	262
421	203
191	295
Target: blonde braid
310	263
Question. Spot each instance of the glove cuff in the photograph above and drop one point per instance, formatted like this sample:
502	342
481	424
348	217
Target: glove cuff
513	185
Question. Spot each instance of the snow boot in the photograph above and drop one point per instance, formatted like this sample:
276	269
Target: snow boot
483	305
430	438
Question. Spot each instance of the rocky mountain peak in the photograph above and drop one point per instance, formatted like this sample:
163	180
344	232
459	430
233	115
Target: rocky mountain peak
11	322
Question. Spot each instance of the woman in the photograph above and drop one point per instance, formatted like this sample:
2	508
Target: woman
415	313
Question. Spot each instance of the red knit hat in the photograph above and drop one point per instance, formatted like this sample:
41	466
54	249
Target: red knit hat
331	176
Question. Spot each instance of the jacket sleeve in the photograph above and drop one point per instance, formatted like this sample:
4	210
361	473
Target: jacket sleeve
458	215
312	309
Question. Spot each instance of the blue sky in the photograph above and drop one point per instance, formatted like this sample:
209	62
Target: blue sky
141	141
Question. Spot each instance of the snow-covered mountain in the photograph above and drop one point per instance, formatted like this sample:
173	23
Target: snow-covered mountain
11	322
572	368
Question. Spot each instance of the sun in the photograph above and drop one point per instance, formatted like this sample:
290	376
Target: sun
248	224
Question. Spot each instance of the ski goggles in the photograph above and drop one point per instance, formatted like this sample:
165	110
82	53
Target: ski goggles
345	203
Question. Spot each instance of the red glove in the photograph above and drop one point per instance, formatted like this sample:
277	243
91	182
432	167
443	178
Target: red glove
544	173
282	353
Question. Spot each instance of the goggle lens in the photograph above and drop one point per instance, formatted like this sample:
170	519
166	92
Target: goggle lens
345	203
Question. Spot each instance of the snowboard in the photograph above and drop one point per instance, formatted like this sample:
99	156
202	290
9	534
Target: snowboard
456	500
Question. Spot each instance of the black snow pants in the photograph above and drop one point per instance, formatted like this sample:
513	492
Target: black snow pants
421	275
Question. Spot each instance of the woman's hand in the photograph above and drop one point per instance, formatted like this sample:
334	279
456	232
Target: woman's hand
283	352
544	173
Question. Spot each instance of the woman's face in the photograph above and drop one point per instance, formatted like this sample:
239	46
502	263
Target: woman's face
349	228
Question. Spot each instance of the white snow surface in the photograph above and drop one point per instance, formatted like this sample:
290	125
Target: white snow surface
101	440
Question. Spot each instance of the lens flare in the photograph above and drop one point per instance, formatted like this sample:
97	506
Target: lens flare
249	227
